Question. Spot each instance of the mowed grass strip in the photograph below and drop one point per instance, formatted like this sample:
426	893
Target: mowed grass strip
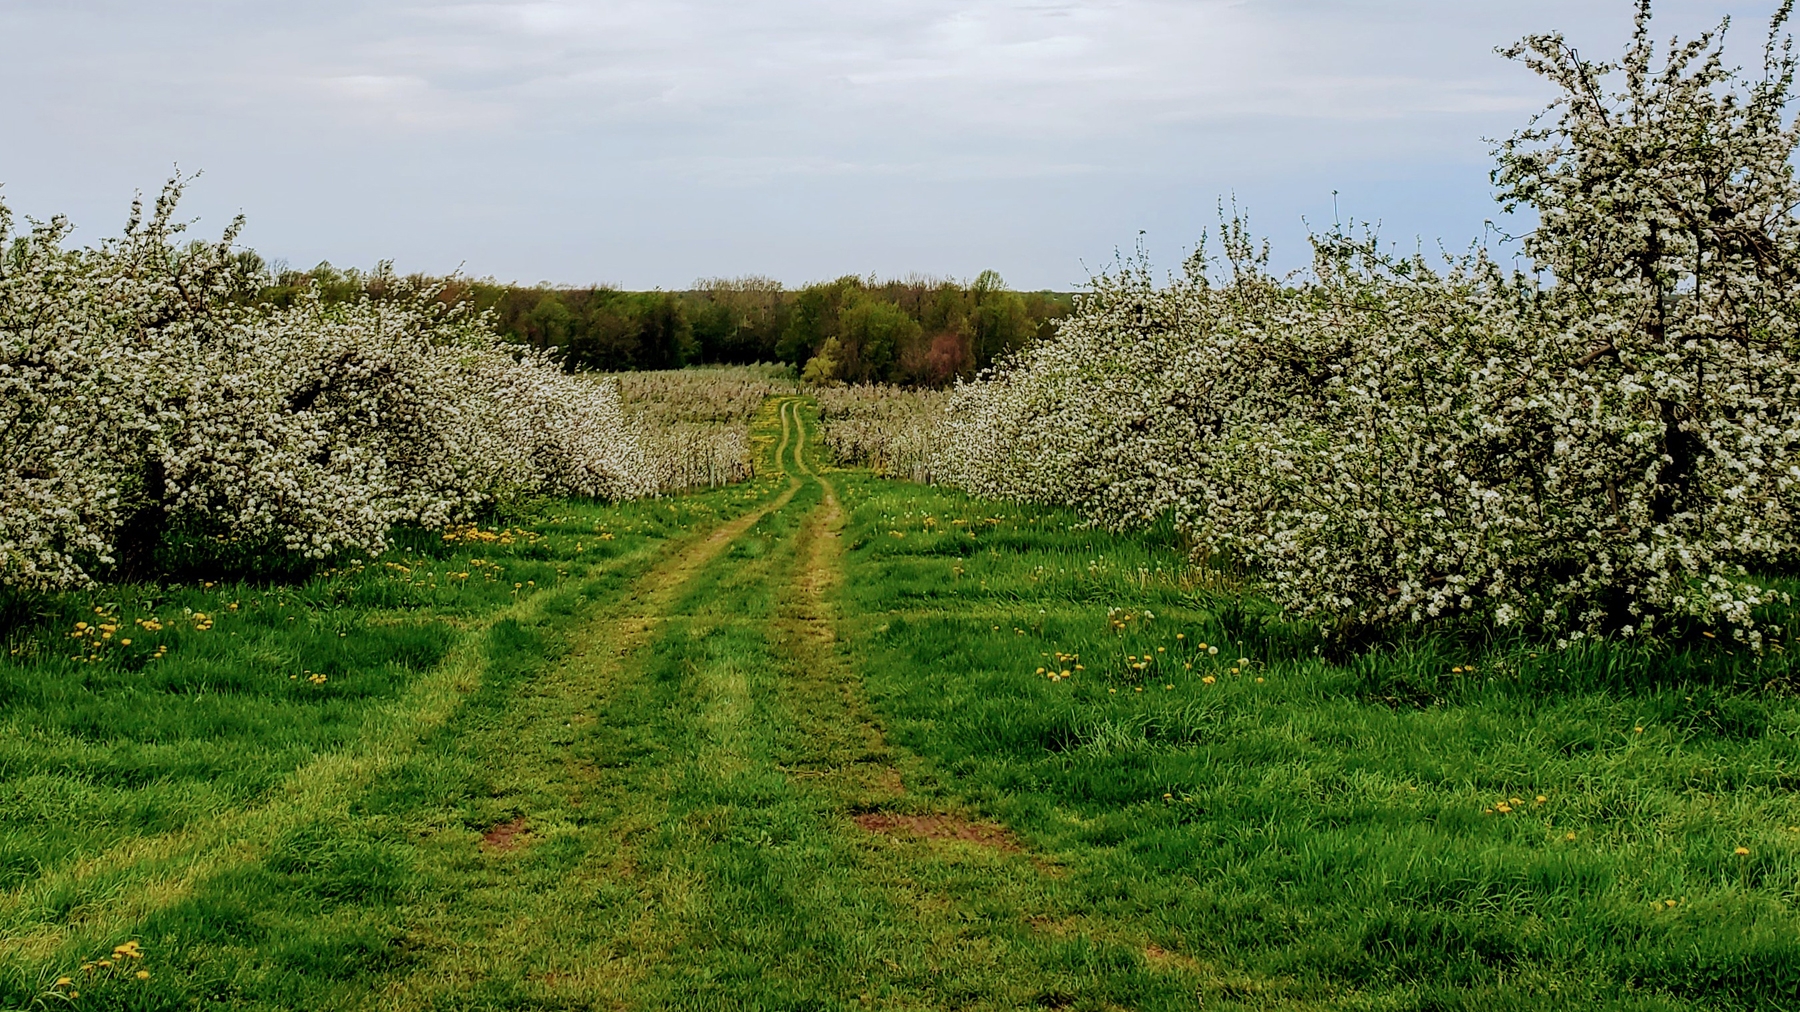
1434	823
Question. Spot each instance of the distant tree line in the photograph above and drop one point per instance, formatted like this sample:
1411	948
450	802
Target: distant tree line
917	331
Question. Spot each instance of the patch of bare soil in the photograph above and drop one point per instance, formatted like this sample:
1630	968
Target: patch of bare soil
505	836
1160	958
940	827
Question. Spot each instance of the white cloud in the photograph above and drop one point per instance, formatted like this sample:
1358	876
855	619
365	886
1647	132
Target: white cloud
611	139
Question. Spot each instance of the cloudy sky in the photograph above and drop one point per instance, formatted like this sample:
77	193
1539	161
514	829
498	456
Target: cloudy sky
648	144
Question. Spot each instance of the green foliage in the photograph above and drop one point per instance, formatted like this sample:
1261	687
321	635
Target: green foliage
738	321
594	328
824	367
916	332
872	332
1000	321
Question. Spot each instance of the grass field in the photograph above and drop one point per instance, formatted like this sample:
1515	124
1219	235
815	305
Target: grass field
808	743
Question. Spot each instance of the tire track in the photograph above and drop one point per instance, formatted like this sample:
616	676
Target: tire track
823	692
657	592
581	798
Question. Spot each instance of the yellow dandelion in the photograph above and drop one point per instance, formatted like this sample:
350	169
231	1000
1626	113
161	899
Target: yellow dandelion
1742	851
1540	799
143	975
1569	836
1208	680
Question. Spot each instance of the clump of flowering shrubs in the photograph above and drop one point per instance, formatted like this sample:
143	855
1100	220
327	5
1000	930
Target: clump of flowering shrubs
141	390
1606	447
694	423
891	430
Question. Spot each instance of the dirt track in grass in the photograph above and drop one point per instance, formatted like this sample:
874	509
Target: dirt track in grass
716	818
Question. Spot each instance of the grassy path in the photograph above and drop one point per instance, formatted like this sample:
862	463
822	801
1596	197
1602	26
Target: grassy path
797	745
692	796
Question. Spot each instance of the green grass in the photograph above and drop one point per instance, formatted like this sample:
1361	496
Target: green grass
641	779
1329	829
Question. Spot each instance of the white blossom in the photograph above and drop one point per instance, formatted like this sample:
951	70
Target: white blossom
1606	448
140	390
